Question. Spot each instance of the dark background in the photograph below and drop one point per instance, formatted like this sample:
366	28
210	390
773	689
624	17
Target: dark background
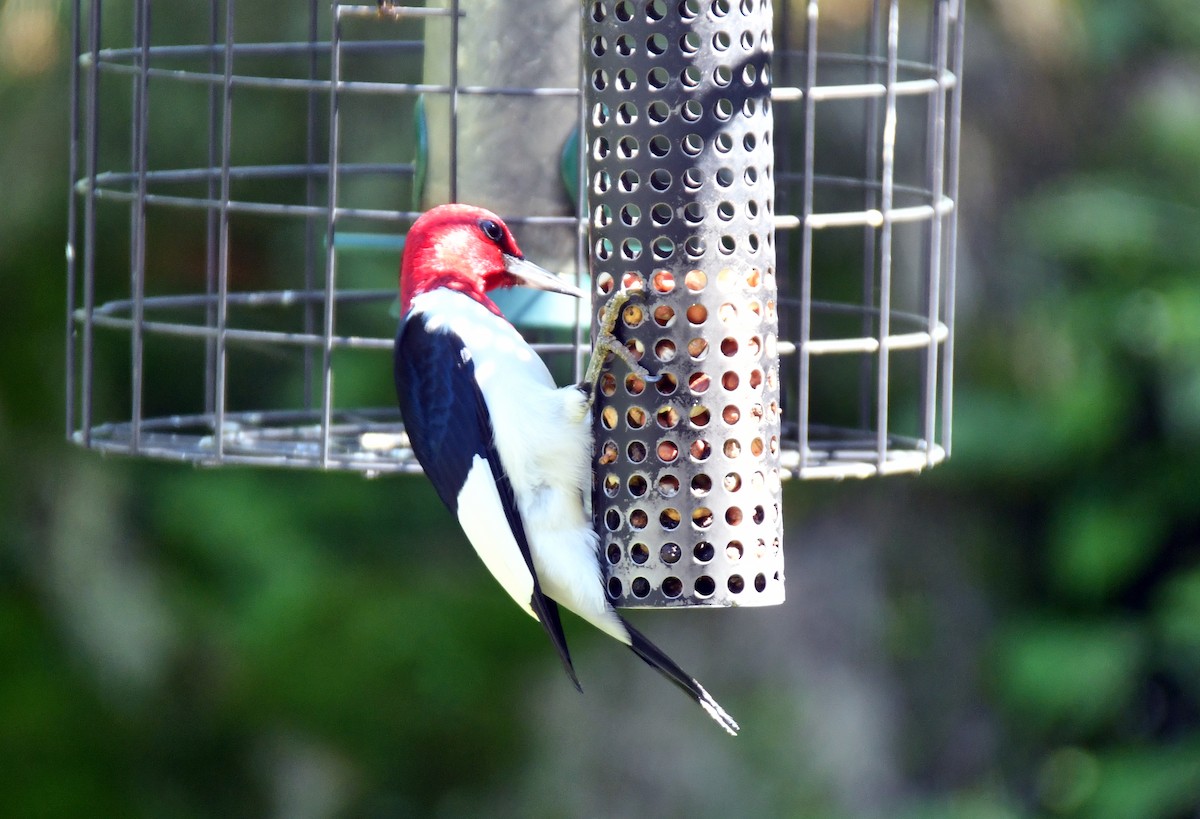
1016	633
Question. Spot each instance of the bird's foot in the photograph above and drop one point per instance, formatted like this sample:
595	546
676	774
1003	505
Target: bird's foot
607	344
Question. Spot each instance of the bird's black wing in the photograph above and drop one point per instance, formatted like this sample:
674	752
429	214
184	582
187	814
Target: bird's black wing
448	426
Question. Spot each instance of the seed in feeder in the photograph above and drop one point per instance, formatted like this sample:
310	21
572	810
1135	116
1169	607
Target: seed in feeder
667	452
635	417
701	485
736	584
755	308
668	417
636	452
632	281
611	485
756	447
664	349
663	315
697	348
636	349
734	551
668	486
733	482
695	280
697	314
666	384
699	416
702	517
634	385
759	515
729	347
756	412
729	380
669	519
609	454
731	414
700	449
664	281
638	518
614	554
774	445
608	384
733	516
754	346
699	382
604	283
638	553
770	308
632	315
637	486
608	418
732	448
753	278
755	378
670	553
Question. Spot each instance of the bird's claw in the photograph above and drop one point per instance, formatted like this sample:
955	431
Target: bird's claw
608	344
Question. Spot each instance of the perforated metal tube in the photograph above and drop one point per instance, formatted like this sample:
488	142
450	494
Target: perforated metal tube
680	197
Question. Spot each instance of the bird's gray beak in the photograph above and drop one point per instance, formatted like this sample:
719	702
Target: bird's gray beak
530	275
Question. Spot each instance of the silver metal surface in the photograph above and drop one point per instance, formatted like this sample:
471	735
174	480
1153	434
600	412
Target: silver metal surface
865	100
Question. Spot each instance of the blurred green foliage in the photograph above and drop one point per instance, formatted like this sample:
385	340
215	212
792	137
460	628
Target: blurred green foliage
181	642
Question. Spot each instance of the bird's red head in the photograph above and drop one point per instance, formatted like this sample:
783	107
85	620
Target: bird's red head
468	249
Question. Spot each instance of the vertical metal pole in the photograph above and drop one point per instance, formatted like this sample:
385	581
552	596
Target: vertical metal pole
211	226
804	355
958	13
223	237
141	116
870	202
885	239
935	164
72	217
335	58
89	220
310	198
454	26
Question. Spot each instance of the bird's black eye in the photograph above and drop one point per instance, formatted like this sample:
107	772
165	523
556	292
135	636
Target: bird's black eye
491	230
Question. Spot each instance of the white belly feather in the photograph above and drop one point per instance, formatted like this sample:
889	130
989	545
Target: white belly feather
543	438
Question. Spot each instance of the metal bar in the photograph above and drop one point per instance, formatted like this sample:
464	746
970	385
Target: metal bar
141	118
885	239
89	226
310	196
211	228
870	204
220	397
935	163
952	160
455	16
806	232
72	217
335	69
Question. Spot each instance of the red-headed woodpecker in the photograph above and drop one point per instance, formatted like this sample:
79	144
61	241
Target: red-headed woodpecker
508	452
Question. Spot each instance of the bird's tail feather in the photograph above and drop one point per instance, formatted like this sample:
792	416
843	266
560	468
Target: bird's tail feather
654	657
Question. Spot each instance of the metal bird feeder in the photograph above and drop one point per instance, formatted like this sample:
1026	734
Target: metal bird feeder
775	188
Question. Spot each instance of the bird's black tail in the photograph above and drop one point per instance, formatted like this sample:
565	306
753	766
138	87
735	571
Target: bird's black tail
654	657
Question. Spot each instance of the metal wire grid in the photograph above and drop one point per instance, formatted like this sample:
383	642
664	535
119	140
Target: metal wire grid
371	440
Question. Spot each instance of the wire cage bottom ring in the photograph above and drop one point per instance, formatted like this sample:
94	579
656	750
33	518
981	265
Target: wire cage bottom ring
373	442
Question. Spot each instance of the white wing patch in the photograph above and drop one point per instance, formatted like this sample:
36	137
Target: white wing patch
481	515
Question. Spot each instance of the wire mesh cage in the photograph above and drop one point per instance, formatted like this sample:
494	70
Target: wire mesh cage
778	183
